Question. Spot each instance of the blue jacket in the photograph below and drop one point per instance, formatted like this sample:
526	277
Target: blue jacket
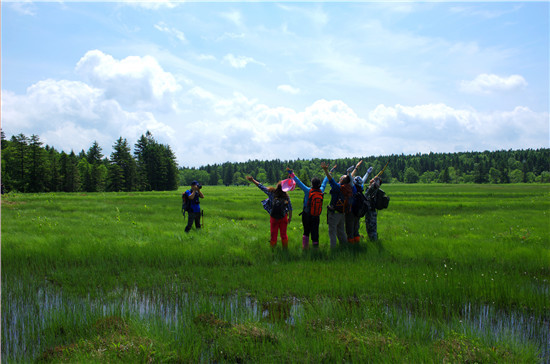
306	189
194	203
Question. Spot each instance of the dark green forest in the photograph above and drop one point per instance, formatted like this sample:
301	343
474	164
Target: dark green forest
519	166
29	166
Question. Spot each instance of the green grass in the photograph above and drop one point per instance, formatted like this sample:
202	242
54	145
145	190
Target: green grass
460	274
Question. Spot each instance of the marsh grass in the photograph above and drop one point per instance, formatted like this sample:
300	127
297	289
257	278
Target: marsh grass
460	273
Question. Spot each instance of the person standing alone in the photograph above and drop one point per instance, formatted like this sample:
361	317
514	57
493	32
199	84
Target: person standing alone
193	207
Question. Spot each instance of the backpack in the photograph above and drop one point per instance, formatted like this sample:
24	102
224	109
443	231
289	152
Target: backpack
315	202
360	205
185	203
278	208
382	200
343	204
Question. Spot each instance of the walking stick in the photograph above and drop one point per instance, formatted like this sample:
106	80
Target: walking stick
382	171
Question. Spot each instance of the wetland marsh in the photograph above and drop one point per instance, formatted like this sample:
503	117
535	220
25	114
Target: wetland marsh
460	273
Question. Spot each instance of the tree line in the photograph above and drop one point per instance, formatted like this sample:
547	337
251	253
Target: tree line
28	166
505	166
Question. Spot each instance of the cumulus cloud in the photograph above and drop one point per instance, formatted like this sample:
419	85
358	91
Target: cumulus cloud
138	82
441	128
240	128
49	102
210	128
70	115
288	89
239	61
489	83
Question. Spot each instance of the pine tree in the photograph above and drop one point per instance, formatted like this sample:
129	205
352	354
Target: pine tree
53	176
122	169
20	162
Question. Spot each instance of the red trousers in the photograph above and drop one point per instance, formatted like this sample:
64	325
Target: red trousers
276	225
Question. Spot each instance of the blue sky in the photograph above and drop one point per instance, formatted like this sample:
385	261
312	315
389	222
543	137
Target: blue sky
234	81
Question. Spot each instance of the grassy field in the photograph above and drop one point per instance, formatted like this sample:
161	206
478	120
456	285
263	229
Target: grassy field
460	274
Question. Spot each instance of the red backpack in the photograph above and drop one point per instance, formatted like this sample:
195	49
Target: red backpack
315	202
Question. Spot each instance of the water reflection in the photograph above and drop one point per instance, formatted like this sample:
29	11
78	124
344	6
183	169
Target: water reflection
30	321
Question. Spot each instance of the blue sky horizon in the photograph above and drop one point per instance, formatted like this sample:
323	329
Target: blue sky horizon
238	81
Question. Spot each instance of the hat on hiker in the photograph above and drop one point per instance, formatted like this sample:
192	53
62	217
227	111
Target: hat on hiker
288	184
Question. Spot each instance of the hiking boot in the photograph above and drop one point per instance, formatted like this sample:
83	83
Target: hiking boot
305	242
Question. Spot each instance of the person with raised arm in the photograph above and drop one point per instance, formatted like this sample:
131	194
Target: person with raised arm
279	207
339	205
312	208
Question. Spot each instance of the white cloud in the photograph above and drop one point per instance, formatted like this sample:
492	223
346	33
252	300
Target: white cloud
229	35
246	129
241	128
441	128
240	61
49	102
163	27
489	83
138	82
478	11
288	89
70	115
234	17
317	16
153	5
206	57
24	7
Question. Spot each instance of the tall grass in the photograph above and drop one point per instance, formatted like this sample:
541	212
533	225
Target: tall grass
451	261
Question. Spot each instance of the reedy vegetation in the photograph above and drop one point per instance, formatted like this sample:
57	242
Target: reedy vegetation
112	276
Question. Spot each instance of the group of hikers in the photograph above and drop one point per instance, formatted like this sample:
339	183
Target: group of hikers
350	200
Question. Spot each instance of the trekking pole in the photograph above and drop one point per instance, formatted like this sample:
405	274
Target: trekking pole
382	171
